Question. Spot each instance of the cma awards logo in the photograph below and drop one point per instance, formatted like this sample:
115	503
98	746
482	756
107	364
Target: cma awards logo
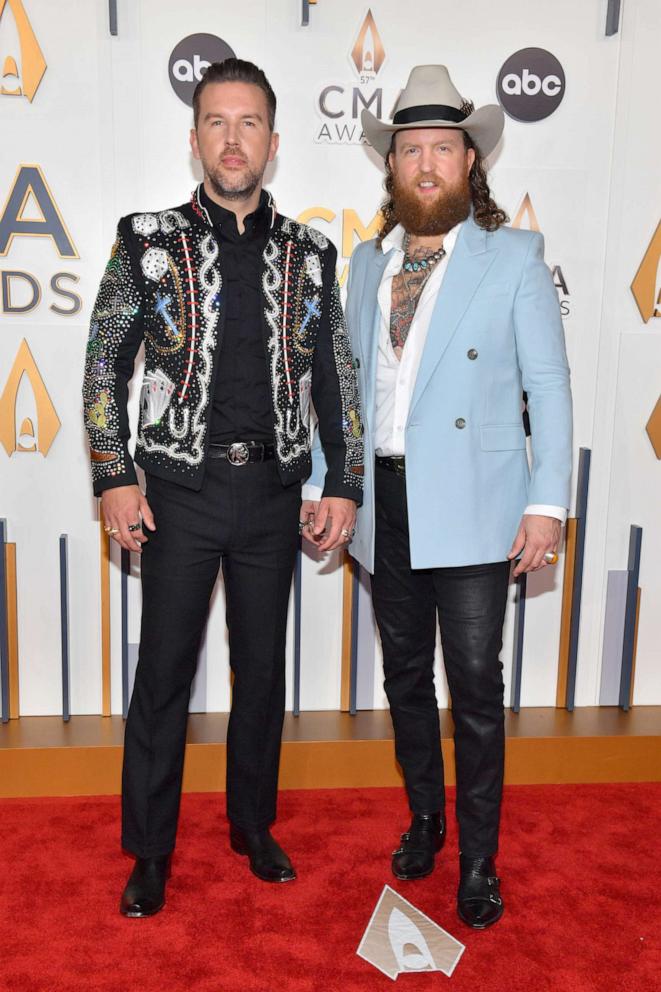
23	68
30	211
368	54
646	285
28	420
400	939
339	104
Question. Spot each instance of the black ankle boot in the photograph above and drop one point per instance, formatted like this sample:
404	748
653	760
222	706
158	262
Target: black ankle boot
423	840
267	859
478	902
144	894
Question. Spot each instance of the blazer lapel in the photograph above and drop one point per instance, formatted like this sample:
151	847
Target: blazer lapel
369	314
468	265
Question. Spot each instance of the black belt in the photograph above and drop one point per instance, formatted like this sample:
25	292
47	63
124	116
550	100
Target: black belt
242	452
394	463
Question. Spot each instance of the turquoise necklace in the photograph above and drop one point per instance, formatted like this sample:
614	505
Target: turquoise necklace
424	263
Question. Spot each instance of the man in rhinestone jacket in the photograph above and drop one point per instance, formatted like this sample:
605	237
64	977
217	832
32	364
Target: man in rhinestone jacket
239	312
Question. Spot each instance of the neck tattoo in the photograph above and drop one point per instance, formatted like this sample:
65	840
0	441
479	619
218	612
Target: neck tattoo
415	263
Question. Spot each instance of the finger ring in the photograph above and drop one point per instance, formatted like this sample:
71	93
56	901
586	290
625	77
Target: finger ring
551	557
345	533
111	530
133	527
302	524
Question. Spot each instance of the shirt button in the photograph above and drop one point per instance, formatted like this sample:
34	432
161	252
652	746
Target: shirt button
472	354
460	423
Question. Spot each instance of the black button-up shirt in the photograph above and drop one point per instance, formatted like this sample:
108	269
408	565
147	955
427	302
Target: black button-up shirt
241	406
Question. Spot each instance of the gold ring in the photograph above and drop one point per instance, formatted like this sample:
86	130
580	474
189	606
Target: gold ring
551	557
111	530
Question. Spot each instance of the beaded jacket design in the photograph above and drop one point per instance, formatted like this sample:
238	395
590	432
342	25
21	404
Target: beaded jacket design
163	288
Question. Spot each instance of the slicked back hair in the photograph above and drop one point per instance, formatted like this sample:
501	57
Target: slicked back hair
236	71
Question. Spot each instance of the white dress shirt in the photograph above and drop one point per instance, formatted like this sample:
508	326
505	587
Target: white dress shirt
395	378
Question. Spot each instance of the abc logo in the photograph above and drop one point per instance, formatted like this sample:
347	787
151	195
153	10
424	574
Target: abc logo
189	60
531	85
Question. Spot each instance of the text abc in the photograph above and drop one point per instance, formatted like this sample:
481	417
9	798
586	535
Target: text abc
530	84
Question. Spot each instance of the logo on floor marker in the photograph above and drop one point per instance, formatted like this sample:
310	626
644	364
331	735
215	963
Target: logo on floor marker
399	938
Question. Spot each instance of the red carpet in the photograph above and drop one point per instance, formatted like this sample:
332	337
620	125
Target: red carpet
580	864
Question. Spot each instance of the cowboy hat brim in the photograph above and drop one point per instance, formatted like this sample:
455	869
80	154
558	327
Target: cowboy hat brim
484	126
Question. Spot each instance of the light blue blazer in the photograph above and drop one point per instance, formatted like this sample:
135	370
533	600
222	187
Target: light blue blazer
467	486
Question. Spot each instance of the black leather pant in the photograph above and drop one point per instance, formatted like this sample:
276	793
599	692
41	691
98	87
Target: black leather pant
244	518
470	603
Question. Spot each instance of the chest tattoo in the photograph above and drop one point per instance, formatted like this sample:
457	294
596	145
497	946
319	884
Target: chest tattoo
406	291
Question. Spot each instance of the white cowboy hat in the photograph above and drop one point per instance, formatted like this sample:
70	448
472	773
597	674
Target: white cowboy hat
430	99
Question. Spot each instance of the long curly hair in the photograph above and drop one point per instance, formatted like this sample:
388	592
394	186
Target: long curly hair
486	212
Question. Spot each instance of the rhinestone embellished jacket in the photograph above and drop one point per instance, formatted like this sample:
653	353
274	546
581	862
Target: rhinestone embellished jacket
163	287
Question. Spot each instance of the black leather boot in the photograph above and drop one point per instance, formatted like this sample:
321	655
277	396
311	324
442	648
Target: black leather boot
144	894
478	902
267	859
419	845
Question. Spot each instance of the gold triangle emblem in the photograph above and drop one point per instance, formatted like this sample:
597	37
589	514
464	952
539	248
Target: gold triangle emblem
654	428
48	422
646	280
33	64
368	53
526	210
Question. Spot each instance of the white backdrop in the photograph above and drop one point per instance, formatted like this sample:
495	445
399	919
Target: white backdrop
111	137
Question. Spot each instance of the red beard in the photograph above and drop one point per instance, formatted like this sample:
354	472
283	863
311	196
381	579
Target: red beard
449	207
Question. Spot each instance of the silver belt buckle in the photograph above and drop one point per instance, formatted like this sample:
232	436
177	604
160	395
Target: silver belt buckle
238	453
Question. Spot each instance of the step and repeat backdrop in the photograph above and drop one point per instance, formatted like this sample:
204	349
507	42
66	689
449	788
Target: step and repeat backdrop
95	113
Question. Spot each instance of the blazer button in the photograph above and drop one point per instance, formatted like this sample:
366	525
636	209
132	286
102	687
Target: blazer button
460	423
472	354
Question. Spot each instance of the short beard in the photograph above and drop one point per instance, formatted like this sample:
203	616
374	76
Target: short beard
252	181
450	207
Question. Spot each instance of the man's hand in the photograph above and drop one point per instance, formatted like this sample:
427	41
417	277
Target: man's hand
308	511
122	507
331	522
535	537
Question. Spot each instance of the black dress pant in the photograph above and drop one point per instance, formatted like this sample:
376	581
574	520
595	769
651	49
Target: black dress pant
470	603
244	518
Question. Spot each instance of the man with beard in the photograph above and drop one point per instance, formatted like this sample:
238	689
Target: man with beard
452	315
239	311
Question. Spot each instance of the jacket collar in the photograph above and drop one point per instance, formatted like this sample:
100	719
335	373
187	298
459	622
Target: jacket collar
198	206
395	239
